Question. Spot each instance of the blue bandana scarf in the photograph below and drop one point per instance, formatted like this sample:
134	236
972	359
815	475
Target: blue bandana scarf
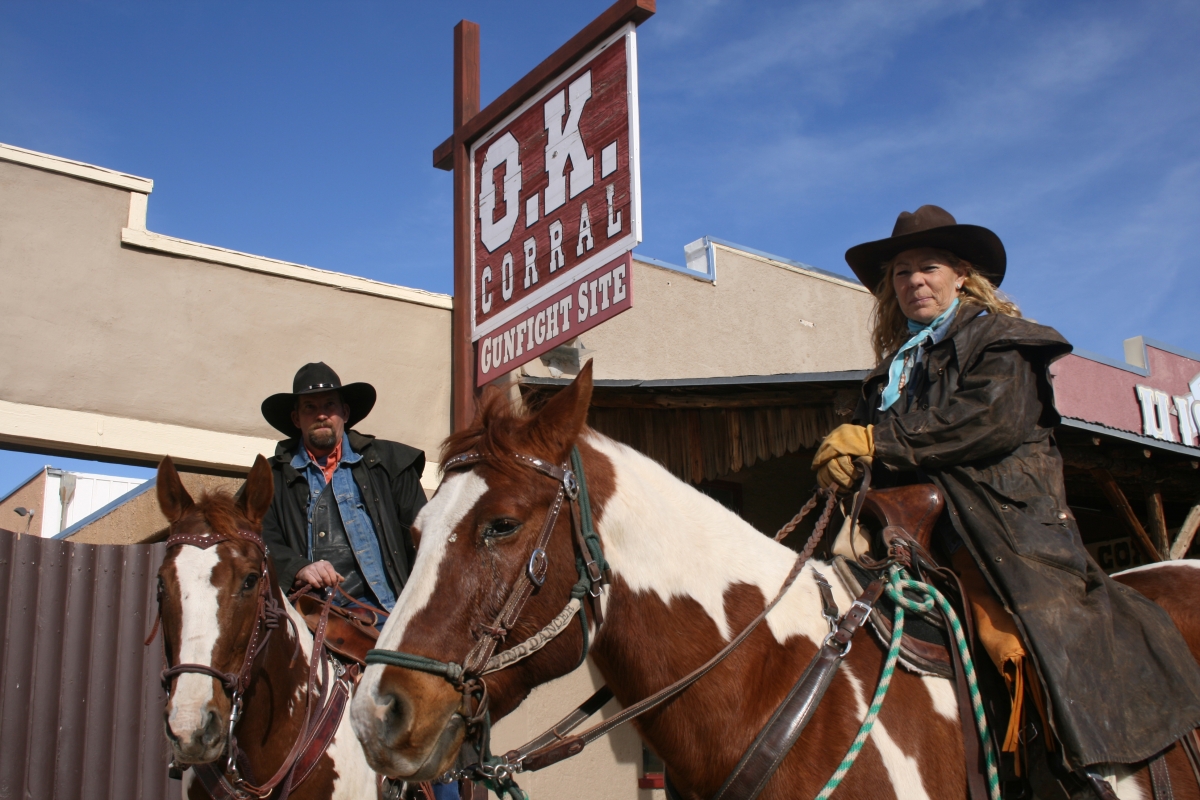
900	371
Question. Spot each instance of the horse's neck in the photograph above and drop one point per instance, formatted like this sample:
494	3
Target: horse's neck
671	548
275	700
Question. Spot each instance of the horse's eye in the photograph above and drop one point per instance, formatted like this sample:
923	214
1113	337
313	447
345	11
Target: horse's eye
499	528
250	582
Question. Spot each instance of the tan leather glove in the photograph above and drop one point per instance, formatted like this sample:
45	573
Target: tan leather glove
834	461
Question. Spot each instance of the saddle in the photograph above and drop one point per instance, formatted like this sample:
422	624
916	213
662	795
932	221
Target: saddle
350	631
902	517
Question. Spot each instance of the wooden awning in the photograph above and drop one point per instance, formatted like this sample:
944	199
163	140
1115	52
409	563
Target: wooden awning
705	428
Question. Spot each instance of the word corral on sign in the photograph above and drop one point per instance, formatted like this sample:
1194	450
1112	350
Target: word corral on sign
557	211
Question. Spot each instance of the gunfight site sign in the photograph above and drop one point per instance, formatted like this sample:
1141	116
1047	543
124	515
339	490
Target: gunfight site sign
555	190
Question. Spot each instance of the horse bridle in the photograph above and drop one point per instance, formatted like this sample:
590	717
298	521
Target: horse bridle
593	576
268	614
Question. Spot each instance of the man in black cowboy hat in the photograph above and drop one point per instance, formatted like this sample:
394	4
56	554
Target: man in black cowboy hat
344	501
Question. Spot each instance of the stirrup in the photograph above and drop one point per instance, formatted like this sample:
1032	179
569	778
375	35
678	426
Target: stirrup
1101	787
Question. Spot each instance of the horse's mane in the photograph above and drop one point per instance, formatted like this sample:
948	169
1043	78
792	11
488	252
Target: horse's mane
501	429
219	510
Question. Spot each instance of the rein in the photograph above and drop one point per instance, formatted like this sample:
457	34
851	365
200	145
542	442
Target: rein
268	615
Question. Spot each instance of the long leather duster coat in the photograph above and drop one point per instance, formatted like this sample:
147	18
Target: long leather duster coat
977	420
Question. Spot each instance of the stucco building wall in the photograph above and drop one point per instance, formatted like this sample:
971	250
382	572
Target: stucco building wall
29	495
115	335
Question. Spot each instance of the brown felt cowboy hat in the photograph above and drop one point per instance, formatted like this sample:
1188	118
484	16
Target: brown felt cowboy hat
930	226
311	379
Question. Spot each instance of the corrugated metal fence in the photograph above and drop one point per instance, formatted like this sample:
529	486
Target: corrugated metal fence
80	701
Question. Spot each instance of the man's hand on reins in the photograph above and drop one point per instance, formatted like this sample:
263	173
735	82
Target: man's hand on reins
834	461
318	575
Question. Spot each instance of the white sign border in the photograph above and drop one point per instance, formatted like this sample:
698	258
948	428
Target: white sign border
602	257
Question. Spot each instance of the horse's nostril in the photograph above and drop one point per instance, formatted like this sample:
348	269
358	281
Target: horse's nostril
396	716
212	729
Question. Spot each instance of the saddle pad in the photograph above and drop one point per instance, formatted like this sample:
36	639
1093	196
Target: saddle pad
923	646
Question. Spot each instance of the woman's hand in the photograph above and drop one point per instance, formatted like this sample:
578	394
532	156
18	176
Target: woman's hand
834	461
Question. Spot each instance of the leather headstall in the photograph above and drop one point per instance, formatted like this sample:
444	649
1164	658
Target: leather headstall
316	732
538	563
268	613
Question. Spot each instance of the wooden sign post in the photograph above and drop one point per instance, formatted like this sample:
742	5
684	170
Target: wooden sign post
546	199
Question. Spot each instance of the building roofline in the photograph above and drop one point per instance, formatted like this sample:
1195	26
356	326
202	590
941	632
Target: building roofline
1129	436
23	484
817	272
76	169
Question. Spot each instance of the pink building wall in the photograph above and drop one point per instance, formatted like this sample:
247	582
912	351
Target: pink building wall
1096	390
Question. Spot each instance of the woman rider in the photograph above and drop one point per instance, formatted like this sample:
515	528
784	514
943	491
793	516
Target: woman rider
962	398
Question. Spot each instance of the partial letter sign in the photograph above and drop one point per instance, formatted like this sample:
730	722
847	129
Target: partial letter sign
557	211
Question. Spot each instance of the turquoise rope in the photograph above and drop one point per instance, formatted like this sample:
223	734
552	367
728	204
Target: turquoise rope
889	668
898	581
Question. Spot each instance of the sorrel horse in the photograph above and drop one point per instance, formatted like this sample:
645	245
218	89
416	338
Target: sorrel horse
686	576
213	604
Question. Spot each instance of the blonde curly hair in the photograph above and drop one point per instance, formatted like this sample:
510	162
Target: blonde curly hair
889	326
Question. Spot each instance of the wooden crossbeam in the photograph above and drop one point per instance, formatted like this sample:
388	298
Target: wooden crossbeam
1156	519
1117	499
1188	532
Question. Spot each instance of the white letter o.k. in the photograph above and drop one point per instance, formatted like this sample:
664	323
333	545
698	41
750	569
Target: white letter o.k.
502	151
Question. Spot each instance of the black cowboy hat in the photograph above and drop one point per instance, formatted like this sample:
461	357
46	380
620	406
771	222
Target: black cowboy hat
930	226
311	379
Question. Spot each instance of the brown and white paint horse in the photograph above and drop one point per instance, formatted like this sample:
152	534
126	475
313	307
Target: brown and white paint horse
209	599
687	575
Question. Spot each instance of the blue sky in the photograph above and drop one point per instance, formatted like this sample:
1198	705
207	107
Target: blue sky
303	131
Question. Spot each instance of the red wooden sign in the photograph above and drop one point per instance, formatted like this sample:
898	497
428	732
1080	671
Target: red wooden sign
599	295
556	210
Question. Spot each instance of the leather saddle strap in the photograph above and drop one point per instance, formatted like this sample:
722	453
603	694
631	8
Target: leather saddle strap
1160	777
782	731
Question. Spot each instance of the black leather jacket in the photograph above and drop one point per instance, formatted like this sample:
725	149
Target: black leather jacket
389	478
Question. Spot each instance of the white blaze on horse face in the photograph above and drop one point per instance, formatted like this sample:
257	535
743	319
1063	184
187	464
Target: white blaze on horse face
198	632
455	498
661	535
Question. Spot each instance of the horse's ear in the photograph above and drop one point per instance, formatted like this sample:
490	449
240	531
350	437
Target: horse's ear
258	492
173	499
562	419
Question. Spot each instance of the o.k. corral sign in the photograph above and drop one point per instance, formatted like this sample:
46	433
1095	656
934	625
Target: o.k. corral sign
556	210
